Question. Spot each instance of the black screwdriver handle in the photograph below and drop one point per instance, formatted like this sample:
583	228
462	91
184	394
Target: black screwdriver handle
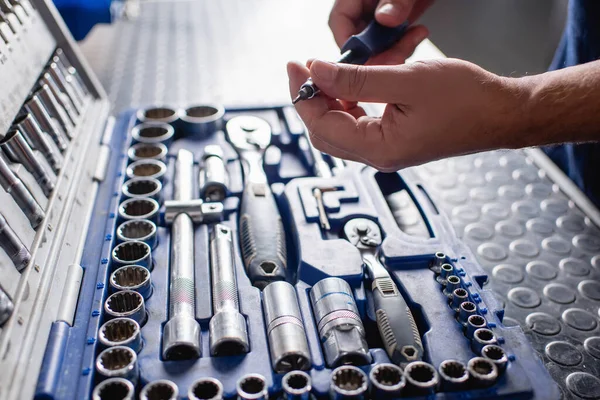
396	323
261	235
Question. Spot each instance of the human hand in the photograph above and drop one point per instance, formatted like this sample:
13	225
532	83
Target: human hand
349	17
435	109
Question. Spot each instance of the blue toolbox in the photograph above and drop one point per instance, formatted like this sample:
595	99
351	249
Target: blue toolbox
208	252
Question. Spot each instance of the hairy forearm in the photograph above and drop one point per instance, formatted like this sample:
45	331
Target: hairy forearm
559	106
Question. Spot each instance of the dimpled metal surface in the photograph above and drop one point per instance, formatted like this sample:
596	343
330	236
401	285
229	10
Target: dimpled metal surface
541	253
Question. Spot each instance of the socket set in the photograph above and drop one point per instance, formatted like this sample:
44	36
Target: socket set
210	252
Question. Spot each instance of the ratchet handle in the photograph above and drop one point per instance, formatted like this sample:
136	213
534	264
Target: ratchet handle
262	236
396	323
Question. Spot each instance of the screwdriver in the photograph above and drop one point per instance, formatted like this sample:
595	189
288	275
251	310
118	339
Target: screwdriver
374	39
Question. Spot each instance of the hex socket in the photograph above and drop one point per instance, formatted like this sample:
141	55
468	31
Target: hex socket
213	178
439	258
36	107
31	130
158	113
497	355
387	381
465	310
296	385
126	303
348	382
132	277
141	230
18	151
200	121
446	270
252	387
153	132
452	283
121	332
114	389
147	151
482	337
132	253
206	389
474	322
421	378
162	389
139	209
12	245
454	375
340	328
142	188
482	372
118	362
285	329
147	168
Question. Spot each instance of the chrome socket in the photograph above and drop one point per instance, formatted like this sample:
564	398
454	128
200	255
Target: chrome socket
132	277
32	132
454	375
285	329
482	337
56	110
459	296
206	389
348	382
387	381
340	328
446	270
72	116
296	385
140	230
114	389
128	304
148	168
36	107
118	362
452	283
439	258
252	387
153	132
14	248
482	372
421	379
474	322
147	151
132	253
227	328
160	390
164	114
121	332
6	307
139	209
497	355
20	194
201	121
213	178
18	151
142	188
465	310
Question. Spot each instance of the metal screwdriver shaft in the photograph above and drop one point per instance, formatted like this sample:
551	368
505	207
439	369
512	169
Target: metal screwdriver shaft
374	39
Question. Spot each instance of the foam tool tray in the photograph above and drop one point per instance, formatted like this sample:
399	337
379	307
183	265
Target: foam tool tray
427	262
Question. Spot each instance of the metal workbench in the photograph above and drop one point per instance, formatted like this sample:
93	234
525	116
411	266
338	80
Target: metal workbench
534	233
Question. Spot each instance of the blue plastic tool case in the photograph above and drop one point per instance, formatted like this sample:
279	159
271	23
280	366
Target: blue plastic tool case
49	344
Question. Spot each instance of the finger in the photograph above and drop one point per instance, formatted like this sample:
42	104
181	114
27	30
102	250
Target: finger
393	12
338	129
326	148
356	82
345	19
398	53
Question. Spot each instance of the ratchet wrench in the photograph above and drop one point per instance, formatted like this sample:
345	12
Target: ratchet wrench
395	321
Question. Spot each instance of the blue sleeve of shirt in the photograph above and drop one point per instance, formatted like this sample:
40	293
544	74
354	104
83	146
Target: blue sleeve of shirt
580	44
81	15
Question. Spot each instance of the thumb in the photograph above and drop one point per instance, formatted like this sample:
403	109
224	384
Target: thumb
393	12
357	82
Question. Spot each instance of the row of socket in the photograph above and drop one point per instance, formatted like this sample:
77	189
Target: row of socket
476	328
15	16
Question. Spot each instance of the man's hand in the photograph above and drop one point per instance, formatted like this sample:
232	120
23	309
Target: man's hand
349	17
434	109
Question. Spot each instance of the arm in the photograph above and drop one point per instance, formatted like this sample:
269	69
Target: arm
444	108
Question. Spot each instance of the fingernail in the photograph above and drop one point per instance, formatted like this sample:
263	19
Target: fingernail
324	70
387	9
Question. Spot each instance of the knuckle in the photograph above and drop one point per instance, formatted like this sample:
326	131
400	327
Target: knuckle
356	80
